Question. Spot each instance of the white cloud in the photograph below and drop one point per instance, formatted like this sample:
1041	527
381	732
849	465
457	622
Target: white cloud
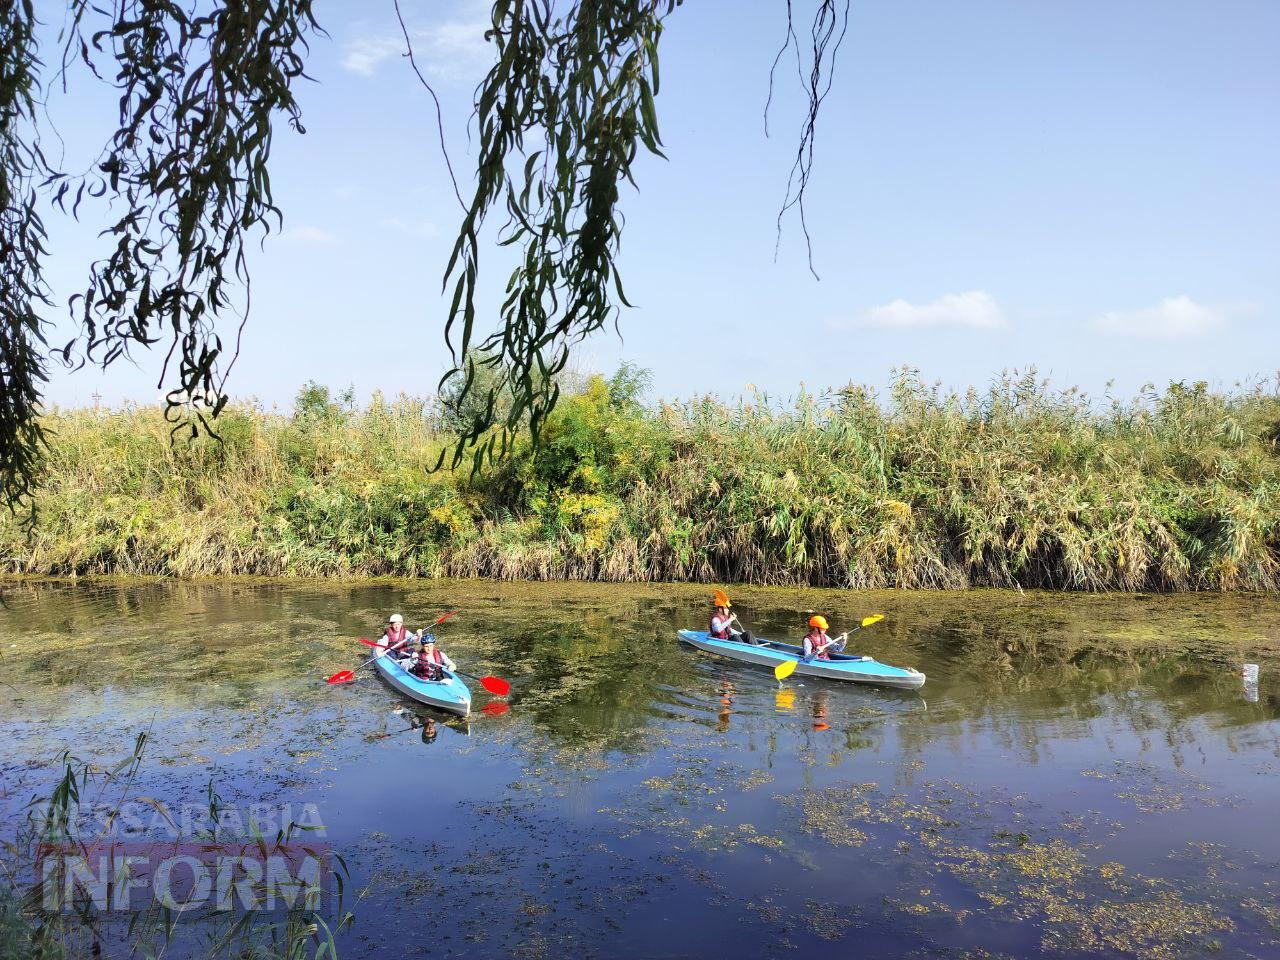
452	49
973	308
1171	317
307	234
365	54
457	48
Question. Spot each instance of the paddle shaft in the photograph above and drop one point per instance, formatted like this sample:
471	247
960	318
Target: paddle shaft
346	676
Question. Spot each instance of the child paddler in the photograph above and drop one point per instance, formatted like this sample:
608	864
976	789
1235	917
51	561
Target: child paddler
396	637
431	661
817	645
721	627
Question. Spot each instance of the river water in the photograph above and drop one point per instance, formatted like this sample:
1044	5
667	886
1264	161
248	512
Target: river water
1080	776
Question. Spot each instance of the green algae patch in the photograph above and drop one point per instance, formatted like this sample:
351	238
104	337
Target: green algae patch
999	875
1152	790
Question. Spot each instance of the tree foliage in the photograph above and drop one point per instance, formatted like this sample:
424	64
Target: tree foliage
561	117
22	238
184	186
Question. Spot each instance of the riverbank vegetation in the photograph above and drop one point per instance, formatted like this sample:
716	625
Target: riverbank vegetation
1019	484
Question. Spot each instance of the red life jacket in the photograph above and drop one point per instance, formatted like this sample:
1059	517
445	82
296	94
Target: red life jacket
394	635
722	634
429	664
815	642
432	656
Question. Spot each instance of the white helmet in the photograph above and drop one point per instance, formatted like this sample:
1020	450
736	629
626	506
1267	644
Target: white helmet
395	618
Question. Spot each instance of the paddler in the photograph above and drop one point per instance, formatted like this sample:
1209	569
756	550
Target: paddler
721	627
431	661
396	637
816	642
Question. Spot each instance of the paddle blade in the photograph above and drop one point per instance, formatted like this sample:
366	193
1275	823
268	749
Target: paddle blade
874	618
784	670
496	708
342	676
367	642
496	685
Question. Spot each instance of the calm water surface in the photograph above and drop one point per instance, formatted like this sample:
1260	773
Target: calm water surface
1081	776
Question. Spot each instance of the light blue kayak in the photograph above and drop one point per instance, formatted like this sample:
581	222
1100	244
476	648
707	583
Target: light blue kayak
770	653
449	694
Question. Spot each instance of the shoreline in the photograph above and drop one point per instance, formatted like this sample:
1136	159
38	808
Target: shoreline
393	580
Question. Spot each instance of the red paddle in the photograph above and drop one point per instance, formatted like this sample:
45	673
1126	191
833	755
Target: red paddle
346	676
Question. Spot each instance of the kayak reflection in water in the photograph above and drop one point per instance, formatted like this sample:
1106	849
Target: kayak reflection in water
430	730
721	627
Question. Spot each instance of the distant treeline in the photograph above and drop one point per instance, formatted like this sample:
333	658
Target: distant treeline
1015	485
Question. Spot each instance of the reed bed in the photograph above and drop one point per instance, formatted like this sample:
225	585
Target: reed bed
1016	485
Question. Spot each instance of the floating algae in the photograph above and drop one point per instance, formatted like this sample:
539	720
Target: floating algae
1002	875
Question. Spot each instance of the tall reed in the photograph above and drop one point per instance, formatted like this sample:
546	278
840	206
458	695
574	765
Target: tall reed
1019	484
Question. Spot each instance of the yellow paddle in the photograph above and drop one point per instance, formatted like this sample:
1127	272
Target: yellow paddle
788	667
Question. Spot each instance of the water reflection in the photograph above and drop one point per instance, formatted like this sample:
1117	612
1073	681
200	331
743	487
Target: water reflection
820	710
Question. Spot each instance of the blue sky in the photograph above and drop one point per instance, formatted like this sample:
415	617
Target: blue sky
1088	187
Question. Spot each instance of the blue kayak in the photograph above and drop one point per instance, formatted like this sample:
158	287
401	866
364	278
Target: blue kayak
770	653
449	694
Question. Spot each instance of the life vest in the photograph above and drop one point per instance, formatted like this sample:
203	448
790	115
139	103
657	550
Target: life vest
811	647
429	666
394	635
723	633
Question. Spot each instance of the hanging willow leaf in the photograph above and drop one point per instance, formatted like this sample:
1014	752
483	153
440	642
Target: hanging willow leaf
22	240
567	106
559	117
200	85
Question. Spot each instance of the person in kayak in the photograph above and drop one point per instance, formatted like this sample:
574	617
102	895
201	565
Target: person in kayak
817	645
396	637
721	626
431	661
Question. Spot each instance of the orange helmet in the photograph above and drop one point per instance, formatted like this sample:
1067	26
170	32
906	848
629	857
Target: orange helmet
819	621
721	599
